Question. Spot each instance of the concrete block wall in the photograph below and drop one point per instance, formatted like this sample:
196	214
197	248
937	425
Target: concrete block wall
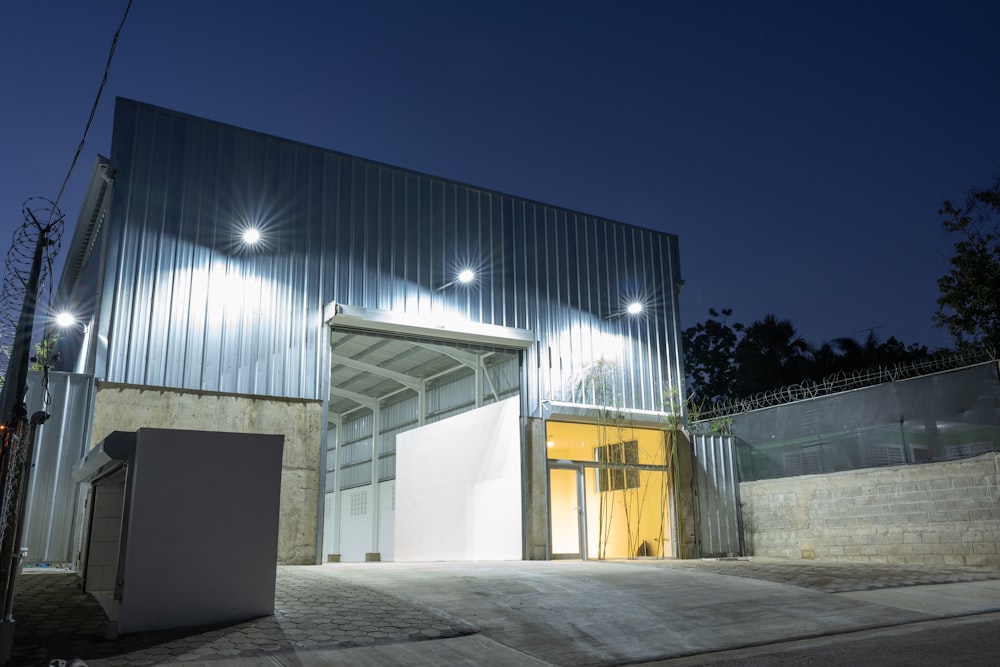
120	407
936	514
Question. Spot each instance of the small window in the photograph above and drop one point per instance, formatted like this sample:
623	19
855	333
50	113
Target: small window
619	453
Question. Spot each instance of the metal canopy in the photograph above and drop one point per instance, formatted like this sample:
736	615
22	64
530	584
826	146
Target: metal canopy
376	354
435	327
366	367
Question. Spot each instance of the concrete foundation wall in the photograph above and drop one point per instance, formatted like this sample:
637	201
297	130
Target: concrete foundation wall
121	407
682	519
535	498
934	514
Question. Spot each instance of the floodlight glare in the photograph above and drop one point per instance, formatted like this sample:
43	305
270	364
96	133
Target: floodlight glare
65	319
251	236
634	308
464	277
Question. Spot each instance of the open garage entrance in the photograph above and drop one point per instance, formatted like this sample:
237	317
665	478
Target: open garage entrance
423	454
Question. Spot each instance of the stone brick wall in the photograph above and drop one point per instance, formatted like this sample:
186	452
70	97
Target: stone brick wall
936	514
120	407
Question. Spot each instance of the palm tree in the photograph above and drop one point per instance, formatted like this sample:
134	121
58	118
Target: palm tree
770	355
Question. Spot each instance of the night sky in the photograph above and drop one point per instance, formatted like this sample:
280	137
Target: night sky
799	150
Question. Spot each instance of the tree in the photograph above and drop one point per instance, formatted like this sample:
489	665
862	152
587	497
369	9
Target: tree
969	305
709	350
770	355
727	361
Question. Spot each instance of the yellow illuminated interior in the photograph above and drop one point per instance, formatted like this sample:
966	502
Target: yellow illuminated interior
620	523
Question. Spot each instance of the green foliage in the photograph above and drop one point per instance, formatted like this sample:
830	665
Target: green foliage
969	304
709	348
45	353
771	354
725	362
846	355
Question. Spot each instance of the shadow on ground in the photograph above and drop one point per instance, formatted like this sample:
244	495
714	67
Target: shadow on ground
55	619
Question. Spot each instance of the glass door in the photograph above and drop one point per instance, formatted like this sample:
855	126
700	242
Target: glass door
567	513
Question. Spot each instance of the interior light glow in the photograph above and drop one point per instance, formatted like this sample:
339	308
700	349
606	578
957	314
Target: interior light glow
634	308
466	276
65	319
251	236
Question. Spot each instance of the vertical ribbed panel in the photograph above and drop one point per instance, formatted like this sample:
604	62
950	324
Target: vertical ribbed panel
719	525
59	445
451	395
189	307
356	450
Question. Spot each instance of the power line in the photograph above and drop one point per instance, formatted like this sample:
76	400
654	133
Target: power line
93	109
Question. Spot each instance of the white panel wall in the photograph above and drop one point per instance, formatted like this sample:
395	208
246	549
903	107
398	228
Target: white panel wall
387	520
458	487
355	523
329	525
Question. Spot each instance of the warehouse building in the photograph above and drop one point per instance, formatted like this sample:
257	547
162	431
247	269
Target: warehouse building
457	373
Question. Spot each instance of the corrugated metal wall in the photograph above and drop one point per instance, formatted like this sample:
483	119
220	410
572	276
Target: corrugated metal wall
720	531
59	446
185	305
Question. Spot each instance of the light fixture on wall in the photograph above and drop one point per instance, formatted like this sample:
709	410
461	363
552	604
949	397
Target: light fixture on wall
633	309
67	320
463	277
251	236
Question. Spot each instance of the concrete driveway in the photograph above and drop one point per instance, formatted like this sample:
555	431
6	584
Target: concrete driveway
604	613
515	613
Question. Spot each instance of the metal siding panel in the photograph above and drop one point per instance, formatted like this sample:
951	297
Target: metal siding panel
401	412
355	475
190	310
452	396
719	520
59	445
387	467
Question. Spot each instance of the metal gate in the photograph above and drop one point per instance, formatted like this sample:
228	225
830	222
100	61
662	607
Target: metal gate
717	491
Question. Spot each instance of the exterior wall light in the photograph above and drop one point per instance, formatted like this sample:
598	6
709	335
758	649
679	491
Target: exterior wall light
464	277
251	236
632	309
65	319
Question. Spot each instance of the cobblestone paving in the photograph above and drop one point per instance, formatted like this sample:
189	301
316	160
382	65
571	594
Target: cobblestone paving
313	610
833	577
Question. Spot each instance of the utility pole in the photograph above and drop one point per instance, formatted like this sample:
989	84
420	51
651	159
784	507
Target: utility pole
18	435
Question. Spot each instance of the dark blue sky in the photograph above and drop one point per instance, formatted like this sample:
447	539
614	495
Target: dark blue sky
800	150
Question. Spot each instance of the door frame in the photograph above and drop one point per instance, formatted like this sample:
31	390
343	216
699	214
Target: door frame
581	507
